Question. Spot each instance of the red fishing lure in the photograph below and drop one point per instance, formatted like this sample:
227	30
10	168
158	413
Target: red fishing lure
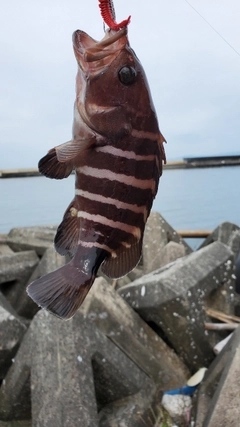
108	15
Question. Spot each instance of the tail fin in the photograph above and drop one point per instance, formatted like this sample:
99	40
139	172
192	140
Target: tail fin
63	291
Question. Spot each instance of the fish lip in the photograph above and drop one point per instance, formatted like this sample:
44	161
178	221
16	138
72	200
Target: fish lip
94	57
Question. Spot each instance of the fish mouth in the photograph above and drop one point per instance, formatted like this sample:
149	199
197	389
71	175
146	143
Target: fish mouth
93	56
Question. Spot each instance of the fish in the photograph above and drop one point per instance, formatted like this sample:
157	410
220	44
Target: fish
117	154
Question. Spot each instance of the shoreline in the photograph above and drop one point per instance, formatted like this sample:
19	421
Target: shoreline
186	163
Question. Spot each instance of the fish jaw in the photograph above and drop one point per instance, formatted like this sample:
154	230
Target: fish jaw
94	57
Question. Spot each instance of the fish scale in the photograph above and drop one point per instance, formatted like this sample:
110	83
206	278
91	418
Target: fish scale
117	154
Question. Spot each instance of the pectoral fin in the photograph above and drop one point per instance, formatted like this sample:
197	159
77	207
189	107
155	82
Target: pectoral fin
50	166
59	161
71	149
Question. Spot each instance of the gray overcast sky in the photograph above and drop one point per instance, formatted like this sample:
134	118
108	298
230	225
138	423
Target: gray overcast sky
193	74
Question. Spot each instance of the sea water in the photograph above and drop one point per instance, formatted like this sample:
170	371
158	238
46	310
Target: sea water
193	199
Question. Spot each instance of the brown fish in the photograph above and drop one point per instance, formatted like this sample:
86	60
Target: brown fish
117	154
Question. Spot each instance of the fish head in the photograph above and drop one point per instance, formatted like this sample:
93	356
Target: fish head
113	96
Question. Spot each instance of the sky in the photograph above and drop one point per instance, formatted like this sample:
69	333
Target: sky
192	72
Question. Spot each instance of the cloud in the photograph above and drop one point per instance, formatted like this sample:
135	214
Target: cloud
192	72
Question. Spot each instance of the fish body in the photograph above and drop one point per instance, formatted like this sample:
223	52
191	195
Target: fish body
117	154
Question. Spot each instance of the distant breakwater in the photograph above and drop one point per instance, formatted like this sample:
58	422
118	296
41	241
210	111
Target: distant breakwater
186	163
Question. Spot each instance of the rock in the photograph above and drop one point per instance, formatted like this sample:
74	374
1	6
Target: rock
75	371
122	325
36	238
221	234
158	233
218	397
11	333
15	270
173	298
178	406
50	261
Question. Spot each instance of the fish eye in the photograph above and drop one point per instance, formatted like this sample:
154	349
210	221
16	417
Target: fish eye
127	75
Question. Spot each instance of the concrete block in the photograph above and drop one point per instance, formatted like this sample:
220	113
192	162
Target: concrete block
124	327
221	234
203	398
5	304
237	272
15	396
15	270
158	233
36	238
224	409
234	243
16	423
174	298
170	253
50	261
17	266
132	411
88	365
3	238
74	370
5	249
11	333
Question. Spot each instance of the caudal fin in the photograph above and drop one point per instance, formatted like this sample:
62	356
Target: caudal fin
62	291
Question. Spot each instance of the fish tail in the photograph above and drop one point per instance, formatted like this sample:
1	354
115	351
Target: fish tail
64	290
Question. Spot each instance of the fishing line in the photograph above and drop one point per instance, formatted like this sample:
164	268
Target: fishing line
214	29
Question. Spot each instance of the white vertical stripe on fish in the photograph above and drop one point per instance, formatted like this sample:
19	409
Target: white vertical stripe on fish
145	135
143	184
122	153
97	245
120	205
135	231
